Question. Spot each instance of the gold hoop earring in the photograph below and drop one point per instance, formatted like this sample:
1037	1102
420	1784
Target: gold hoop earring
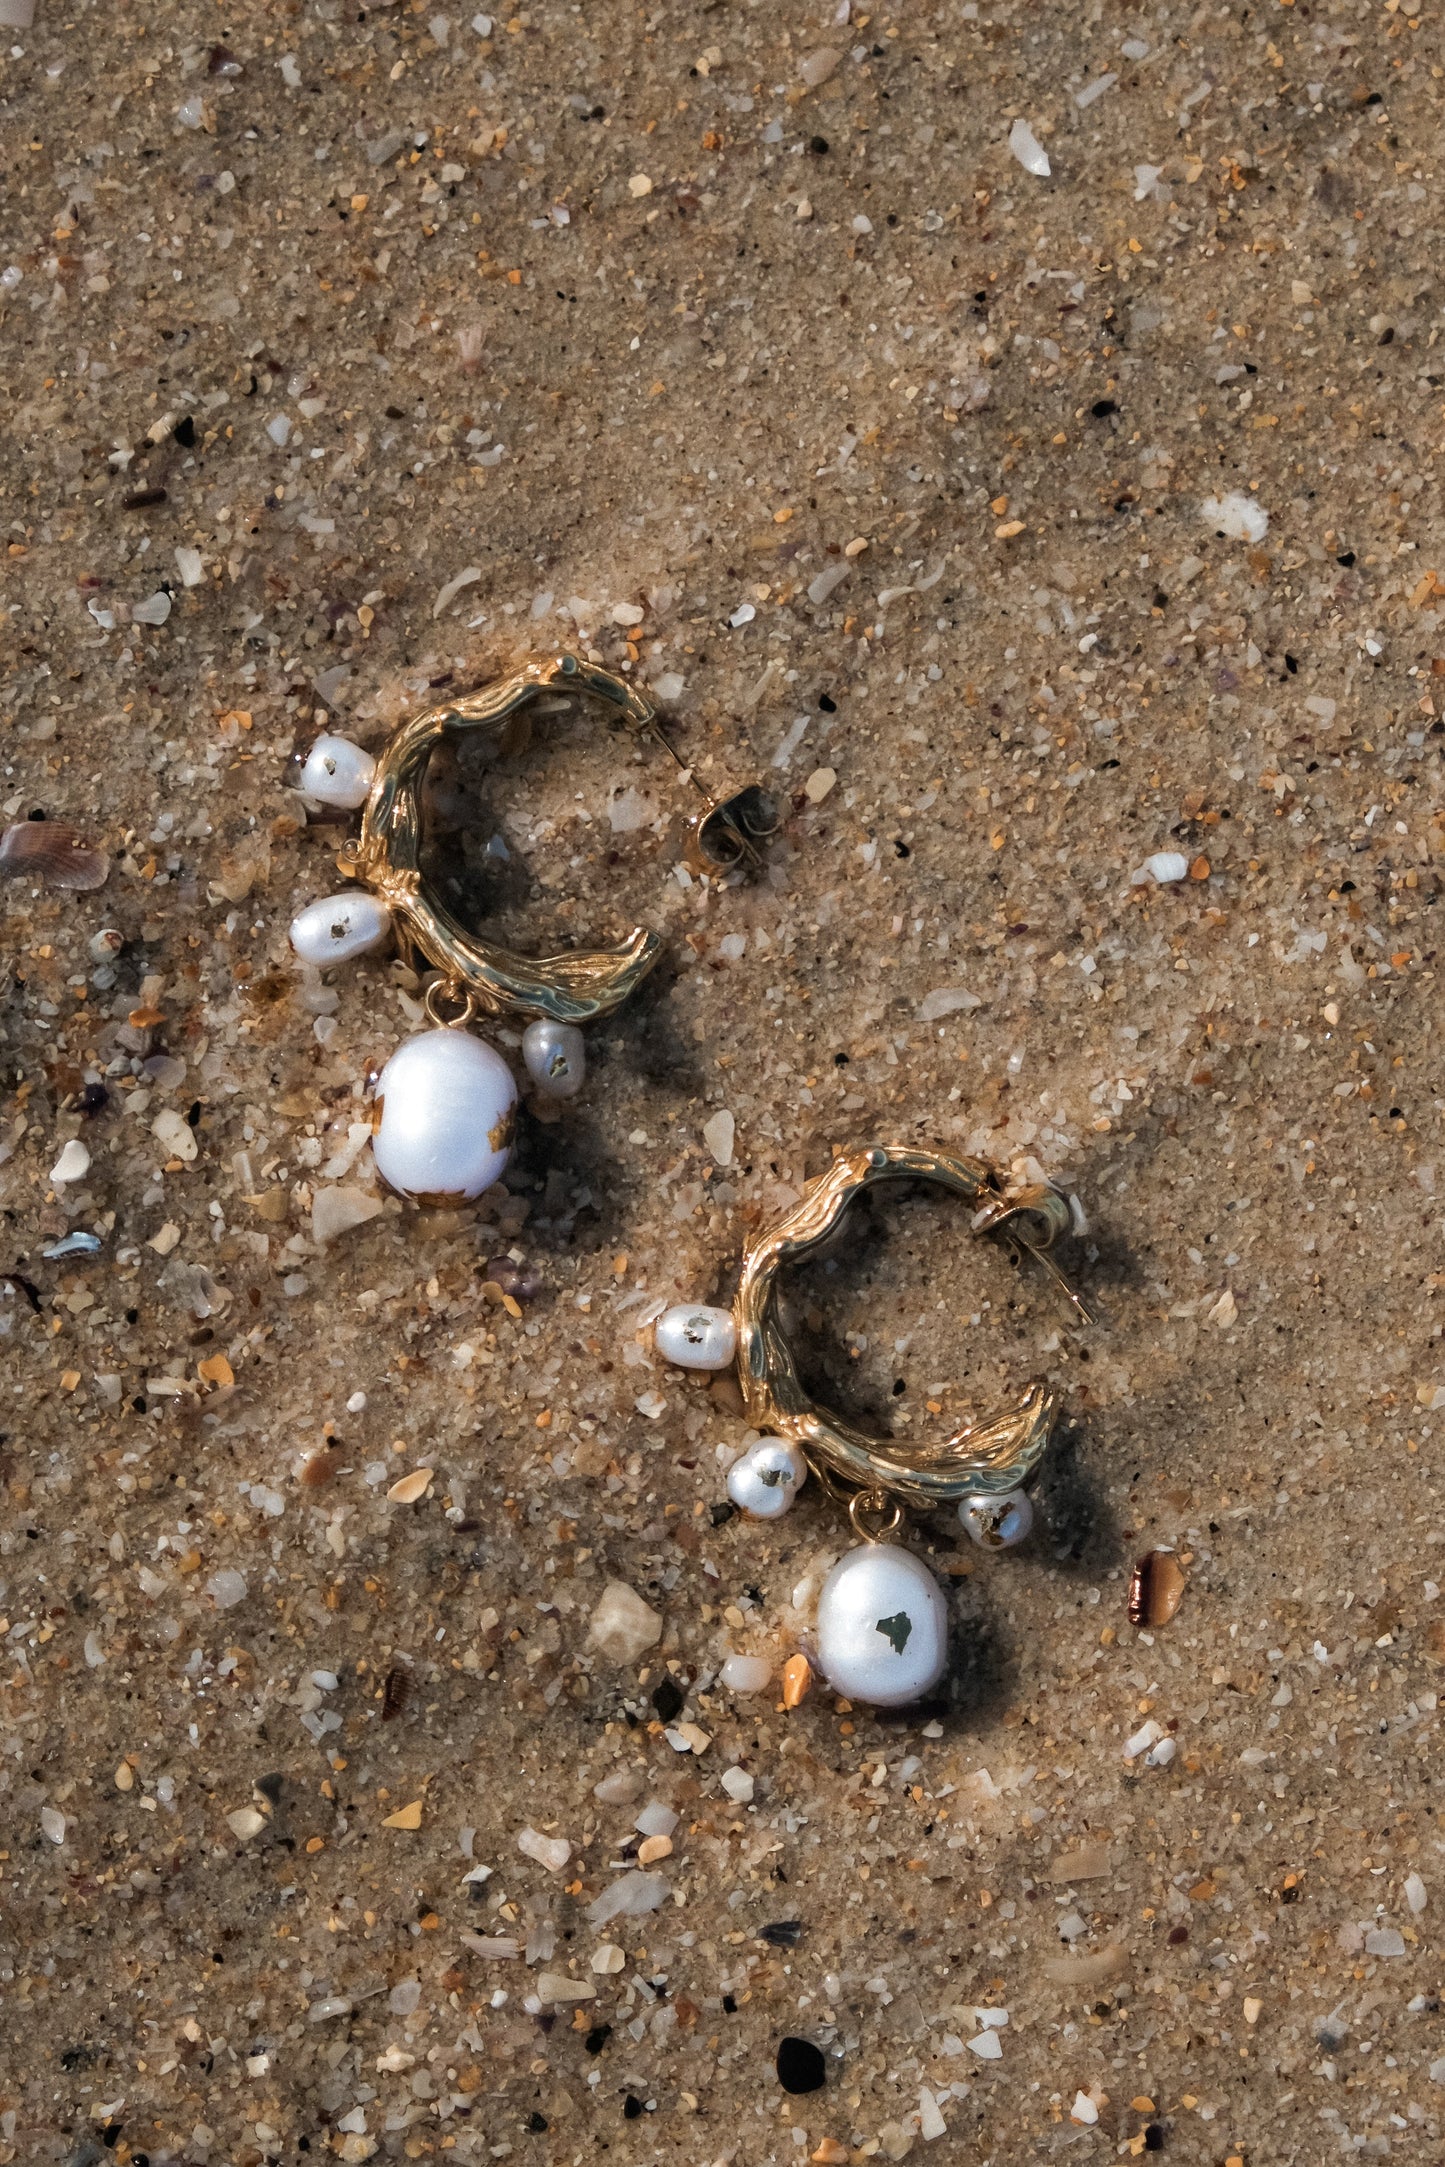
445	1102
881	1633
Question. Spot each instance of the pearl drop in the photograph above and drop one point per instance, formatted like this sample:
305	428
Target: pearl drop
556	1057
447	1103
339	927
337	772
882	1626
696	1336
997	1523
766	1480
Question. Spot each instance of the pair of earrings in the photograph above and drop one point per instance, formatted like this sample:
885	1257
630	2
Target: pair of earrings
442	1129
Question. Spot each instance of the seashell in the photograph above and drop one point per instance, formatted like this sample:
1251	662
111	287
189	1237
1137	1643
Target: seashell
51	852
1156	1588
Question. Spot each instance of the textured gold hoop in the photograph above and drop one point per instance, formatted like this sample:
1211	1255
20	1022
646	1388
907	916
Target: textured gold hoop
573	987
987	1457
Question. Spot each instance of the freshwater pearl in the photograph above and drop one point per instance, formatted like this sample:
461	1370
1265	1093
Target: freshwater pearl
765	1481
339	927
997	1523
446	1103
696	1336
556	1057
337	772
882	1626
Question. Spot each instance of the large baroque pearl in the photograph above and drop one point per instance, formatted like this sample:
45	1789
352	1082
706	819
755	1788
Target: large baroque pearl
446	1102
339	927
882	1626
694	1335
766	1480
337	772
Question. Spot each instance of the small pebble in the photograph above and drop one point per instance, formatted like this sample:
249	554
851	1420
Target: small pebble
623	1626
801	2065
746	1674
620	1788
797	1681
739	1785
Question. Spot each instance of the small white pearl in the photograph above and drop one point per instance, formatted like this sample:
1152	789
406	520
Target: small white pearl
556	1057
339	927
696	1336
337	772
882	1626
997	1523
765	1481
447	1103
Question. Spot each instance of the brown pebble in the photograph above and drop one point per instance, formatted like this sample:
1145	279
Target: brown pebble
1156	1588
319	1469
1435	1639
797	1680
725	1394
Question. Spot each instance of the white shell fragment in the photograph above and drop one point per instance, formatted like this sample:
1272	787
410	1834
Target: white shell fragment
882	1626
552	1852
765	1481
696	1336
447	1103
1028	150
556	1057
339	927
1164	868
73	1163
997	1523
337	772
1237	517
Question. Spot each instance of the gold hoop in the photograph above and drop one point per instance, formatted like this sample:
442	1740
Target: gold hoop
573	987
988	1457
